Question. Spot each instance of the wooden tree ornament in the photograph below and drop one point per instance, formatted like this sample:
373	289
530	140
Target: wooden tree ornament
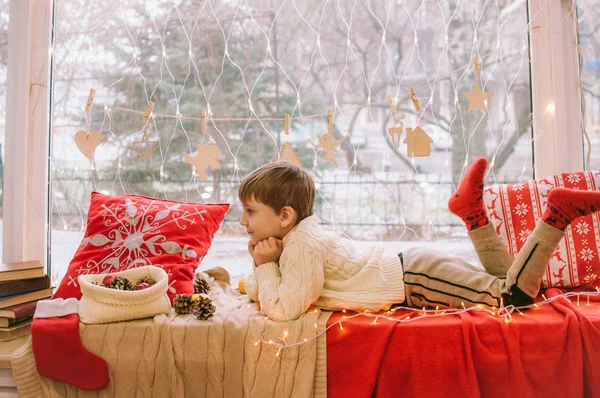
288	153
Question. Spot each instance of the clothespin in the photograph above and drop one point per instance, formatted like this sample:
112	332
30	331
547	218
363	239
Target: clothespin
391	103
286	124
330	121
415	100
88	106
203	123
477	66
147	113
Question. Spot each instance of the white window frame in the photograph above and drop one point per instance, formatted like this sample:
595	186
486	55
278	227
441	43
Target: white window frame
555	88
27	139
555	104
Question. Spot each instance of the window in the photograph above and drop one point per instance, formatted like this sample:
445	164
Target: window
248	65
590	72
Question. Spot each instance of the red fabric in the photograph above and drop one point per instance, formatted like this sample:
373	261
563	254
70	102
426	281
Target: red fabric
554	348
132	231
514	210
59	354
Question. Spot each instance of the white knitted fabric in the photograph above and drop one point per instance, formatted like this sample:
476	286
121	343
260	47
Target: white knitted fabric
55	308
321	268
103	305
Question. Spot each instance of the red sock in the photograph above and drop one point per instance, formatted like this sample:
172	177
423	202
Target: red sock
565	205
59	354
467	201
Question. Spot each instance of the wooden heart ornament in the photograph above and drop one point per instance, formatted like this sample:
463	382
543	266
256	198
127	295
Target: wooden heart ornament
87	142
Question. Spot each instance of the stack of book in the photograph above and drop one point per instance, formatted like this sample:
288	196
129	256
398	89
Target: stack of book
22	285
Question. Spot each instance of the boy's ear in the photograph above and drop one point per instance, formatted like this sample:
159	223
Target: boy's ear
288	215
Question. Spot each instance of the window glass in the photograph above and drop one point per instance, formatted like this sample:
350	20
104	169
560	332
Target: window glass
248	64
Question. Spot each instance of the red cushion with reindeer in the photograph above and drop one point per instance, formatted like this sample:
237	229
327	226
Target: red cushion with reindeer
515	208
130	231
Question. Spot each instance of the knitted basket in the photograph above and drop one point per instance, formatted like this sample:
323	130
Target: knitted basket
103	305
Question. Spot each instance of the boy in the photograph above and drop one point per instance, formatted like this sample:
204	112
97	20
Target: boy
297	264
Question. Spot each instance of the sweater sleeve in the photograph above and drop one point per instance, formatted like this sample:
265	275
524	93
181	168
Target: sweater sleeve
251	286
287	290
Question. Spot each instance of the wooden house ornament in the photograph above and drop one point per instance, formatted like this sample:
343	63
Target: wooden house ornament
418	142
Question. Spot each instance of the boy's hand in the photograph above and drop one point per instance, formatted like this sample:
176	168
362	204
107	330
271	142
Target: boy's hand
267	250
251	248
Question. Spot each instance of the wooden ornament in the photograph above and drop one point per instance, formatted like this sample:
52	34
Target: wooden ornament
87	142
207	156
329	146
288	153
418	142
330	122
145	146
477	98
395	134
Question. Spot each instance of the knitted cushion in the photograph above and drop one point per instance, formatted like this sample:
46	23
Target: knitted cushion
131	231
100	304
514	209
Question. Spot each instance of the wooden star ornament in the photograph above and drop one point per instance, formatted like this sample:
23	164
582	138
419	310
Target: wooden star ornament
144	147
207	156
477	98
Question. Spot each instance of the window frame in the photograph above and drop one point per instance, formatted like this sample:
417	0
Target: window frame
27	124
558	142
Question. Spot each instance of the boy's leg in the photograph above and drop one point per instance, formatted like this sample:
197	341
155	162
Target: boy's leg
564	206
490	249
467	203
435	279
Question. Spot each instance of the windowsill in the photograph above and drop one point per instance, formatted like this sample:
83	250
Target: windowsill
7	348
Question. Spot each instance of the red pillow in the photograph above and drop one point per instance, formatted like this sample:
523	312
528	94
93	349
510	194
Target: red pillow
514	209
131	231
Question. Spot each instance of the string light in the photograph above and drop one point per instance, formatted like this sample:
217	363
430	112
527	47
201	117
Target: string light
504	313
425	88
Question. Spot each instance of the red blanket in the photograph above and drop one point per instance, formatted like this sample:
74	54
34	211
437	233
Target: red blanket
551	350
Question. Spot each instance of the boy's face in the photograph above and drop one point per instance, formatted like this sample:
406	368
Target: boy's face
261	221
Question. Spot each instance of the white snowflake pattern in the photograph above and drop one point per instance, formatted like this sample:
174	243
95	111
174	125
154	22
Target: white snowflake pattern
135	234
589	279
586	254
573	178
584	242
524	234
521	209
582	228
523	222
518	186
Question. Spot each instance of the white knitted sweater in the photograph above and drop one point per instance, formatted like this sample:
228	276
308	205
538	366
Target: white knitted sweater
319	267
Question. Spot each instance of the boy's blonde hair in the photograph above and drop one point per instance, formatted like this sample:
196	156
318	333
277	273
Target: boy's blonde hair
278	184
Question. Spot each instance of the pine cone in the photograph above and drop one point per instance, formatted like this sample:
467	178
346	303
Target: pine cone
146	279
120	283
183	304
200	285
203	307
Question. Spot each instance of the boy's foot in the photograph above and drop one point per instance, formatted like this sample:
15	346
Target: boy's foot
467	201
565	205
